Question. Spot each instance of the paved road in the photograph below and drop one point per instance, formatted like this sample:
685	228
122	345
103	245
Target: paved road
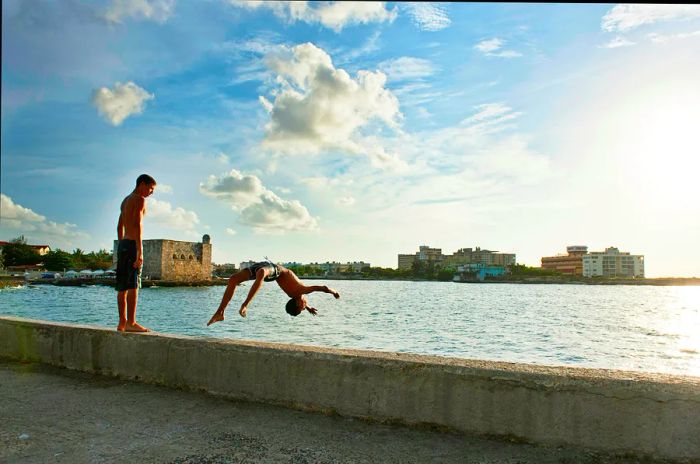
55	415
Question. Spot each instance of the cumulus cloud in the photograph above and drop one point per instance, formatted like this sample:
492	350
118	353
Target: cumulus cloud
230	231
618	42
334	15
259	207
319	107
406	67
164	188
664	39
16	217
155	10
163	213
493	47
428	16
118	104
622	18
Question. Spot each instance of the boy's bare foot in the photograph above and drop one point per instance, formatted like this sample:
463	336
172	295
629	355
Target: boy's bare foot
135	327
121	326
218	316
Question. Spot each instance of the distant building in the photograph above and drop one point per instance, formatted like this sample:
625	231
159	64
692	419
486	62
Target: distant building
224	270
425	254
462	256
570	263
479	256
174	260
41	249
477	271
613	263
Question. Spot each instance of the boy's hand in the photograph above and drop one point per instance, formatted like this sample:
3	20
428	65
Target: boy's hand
313	311
243	311
332	292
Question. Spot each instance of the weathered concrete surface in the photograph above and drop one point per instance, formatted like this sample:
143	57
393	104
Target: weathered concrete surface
72	417
611	411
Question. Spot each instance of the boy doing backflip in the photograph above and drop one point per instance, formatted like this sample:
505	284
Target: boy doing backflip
130	253
266	272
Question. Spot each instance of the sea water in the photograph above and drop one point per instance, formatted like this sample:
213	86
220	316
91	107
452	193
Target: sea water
645	328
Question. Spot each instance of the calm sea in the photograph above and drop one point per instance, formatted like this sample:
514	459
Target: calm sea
644	328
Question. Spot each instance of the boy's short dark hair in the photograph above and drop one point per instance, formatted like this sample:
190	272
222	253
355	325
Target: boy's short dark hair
148	180
292	308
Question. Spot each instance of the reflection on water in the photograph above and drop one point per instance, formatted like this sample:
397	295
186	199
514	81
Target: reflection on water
623	327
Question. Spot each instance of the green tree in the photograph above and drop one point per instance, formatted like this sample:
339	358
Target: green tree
18	253
58	260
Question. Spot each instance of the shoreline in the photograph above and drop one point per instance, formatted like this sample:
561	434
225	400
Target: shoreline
658	281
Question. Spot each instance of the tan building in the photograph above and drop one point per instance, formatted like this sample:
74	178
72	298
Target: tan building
425	255
570	263
459	257
173	260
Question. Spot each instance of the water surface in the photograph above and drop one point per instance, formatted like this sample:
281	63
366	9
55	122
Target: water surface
645	328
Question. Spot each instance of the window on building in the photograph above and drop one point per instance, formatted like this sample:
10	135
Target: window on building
174	255
182	256
191	257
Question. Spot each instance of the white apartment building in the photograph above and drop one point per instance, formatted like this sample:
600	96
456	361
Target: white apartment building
613	263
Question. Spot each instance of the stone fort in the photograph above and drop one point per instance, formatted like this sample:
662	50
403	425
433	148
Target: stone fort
173	260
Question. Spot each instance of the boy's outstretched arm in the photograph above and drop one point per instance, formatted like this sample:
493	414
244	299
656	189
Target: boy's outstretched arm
321	288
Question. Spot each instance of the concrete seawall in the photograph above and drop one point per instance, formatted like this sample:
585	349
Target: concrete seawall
612	411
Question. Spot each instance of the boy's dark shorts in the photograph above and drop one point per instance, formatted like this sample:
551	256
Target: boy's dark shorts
128	277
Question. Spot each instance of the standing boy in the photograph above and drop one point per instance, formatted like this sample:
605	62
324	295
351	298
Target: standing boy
130	253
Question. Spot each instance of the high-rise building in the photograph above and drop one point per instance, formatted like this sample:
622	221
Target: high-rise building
613	263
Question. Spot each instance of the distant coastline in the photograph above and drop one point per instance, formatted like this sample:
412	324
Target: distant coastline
552	280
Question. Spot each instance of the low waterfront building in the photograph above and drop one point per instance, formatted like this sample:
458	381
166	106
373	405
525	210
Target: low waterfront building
571	263
477	271
175	260
41	249
224	270
613	263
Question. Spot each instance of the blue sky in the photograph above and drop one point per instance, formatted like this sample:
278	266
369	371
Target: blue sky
356	131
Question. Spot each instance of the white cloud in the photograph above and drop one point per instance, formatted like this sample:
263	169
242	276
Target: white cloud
230	231
164	214
164	188
345	201
334	15
319	107
156	10
406	67
618	42
120	103
15	217
626	17
491	47
259	207
663	39
223	158
428	16
320	182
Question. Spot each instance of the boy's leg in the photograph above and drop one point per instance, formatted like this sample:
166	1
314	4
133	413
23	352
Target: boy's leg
121	306
233	282
132	298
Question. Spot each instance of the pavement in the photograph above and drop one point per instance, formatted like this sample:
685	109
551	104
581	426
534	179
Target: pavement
49	414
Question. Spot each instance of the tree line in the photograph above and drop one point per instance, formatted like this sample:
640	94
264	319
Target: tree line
19	253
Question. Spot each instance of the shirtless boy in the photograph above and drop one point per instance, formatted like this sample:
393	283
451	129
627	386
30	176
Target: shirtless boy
130	253
267	271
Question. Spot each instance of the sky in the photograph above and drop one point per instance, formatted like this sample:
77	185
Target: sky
343	131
